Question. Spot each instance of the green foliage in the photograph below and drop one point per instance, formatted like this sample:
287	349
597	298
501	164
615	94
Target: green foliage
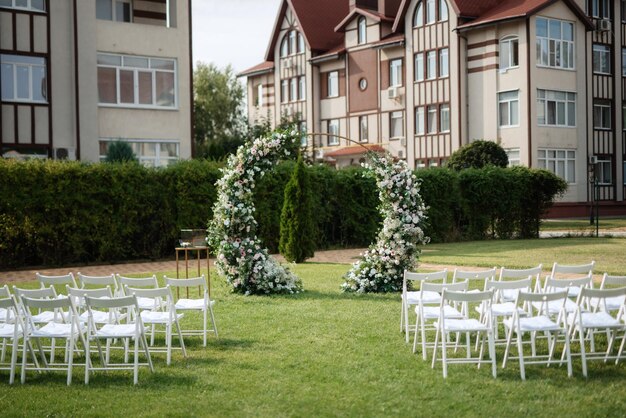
478	154
297	228
440	191
120	152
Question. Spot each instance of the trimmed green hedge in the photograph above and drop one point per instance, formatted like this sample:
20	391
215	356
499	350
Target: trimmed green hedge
54	213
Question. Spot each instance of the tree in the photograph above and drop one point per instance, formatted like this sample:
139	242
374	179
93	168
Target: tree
478	154
297	230
119	152
220	124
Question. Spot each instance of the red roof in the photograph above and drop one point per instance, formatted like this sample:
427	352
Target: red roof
264	67
475	8
393	38
355	150
377	17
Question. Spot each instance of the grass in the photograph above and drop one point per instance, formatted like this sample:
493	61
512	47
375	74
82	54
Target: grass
582	225
607	252
321	353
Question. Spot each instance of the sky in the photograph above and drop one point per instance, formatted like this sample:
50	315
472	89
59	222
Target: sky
234	32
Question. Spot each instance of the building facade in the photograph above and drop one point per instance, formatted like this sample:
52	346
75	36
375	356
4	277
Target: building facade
420	78
77	74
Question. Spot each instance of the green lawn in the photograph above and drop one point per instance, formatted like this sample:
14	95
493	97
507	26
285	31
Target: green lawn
320	353
582	225
609	253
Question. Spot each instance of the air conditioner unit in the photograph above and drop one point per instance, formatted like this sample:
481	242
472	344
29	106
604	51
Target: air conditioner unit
603	25
393	93
593	159
65	154
400	154
319	153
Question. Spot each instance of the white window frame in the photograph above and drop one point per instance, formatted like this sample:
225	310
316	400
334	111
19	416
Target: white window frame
602	118
333	84
363	129
444	117
558	161
332	128
395	72
513	155
544	102
15	62
604	170
136	70
419	67
444	63
420	120
362	30
148	161
509	52
512	108
396	122
431	112
29	6
431	59
548	45
601	62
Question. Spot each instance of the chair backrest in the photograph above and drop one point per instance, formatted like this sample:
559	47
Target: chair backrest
507	290
98	281
9	304
439	287
410	276
43	293
112	303
57	305
570	270
543	299
162	296
481	276
470	297
192	282
608	280
62	280
135	282
78	295
4	292
553	284
533	273
602	293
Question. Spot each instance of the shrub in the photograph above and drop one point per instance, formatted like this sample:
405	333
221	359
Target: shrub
297	230
478	154
119	152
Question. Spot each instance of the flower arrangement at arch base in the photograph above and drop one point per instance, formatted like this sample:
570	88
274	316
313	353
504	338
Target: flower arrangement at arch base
241	257
397	246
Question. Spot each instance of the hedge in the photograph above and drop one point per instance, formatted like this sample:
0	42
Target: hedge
59	213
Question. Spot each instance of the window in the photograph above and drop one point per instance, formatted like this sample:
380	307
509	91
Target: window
284	91
601	9
555	43
333	130
116	10
431	65
509	52
128	80
284	47
443	10
430	11
23	78
556	108
508	108
293	90
362	31
293	42
601	59
34	5
513	155
604	170
259	95
431	124
444	118
300	43
443	62
418	17
623	9
419	66
396	125
395	72
333	84
303	138
559	161
302	88
602	114
151	153
419	120
363	133
623	62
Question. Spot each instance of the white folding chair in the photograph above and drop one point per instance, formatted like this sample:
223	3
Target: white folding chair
477	279
554	285
99	282
410	297
501	308
164	313
506	274
568	272
5	315
203	304
483	328
11	331
139	282
541	321
427	312
614	303
132	330
70	331
62	280
588	324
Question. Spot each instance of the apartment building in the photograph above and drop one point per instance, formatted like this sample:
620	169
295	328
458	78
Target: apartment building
78	74
421	78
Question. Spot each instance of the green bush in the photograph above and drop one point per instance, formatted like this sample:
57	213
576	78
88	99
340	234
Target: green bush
120	152
478	154
440	191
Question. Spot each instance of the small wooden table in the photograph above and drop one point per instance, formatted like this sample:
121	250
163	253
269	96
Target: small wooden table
199	251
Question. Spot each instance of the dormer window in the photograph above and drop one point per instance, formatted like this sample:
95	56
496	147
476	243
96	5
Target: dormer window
362	30
292	43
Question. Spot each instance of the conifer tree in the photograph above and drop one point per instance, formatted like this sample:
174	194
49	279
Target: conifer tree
297	230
